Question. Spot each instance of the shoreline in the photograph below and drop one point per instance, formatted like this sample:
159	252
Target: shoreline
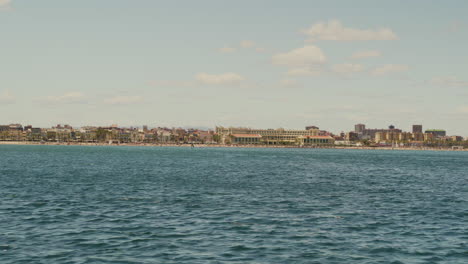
220	146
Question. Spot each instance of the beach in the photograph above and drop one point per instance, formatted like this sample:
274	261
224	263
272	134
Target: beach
188	145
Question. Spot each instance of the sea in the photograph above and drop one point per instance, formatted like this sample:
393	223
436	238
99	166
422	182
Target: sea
117	204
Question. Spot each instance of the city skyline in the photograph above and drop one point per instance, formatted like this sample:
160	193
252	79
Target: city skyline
242	63
359	129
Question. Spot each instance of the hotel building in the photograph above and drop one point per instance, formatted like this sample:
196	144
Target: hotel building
280	136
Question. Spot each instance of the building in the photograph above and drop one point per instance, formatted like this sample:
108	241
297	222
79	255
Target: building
315	140
428	137
418	136
405	136
245	139
352	136
417	129
268	136
359	128
371	133
392	136
436	132
380	136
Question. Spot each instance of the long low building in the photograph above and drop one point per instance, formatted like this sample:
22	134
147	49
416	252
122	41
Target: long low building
280	136
246	139
315	140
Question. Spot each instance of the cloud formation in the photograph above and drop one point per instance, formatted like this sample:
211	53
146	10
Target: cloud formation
389	69
68	98
305	71
171	83
448	81
463	109
4	3
224	78
123	100
6	97
365	54
244	44
226	49
301	57
347	68
288	83
334	30
247	44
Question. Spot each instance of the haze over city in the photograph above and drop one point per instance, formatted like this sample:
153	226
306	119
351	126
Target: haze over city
265	64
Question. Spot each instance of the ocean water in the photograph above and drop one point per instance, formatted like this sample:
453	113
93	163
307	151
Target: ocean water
73	204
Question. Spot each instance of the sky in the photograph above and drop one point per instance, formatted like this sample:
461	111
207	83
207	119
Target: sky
250	63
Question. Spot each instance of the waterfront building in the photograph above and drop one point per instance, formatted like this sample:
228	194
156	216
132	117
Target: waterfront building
417	129
371	133
11	127
359	128
315	140
164	135
268	136
404	136
428	137
392	136
380	136
246	139
352	136
418	136
437	132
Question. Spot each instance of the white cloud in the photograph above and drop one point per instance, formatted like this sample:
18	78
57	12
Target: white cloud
366	54
288	83
304	71
301	57
247	44
455	26
448	81
227	49
389	68
68	98
120	100
6	97
463	109
225	78
347	68
171	83
4	3
334	30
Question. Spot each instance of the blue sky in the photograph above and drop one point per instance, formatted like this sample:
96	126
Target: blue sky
264	64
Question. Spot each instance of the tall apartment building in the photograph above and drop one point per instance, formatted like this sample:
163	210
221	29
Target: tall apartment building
417	129
359	128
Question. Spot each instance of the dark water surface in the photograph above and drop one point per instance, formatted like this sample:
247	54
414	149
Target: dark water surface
71	204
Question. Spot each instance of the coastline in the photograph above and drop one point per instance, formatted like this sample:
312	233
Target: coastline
220	146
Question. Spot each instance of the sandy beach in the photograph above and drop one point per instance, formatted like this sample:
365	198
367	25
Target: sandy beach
221	146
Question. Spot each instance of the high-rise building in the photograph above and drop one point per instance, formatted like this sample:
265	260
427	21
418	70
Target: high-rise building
417	129
359	128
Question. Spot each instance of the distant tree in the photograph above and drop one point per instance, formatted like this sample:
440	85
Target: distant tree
101	134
